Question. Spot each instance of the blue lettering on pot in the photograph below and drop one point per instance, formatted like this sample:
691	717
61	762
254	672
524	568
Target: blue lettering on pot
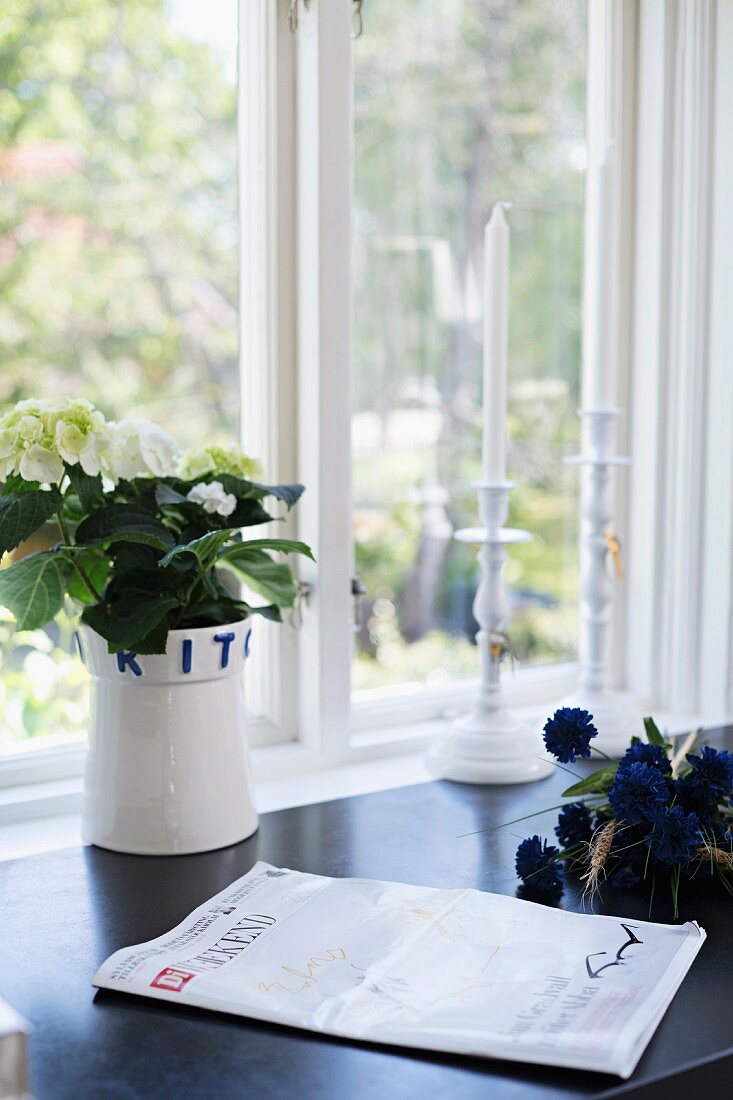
186	655
225	640
127	660
247	641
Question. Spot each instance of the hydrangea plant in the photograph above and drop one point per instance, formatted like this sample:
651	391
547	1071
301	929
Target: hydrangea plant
659	814
146	532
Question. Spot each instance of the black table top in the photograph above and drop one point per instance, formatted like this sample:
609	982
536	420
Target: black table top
61	914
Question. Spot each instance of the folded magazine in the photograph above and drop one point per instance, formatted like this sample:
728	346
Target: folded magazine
449	970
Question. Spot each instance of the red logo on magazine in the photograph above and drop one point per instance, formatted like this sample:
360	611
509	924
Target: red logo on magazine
172	979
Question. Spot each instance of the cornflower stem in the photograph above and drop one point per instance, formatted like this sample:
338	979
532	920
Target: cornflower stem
81	571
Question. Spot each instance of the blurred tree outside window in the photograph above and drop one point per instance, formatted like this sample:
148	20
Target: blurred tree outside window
118	248
460	103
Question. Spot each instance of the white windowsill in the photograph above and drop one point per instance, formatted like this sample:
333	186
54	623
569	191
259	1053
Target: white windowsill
45	816
55	830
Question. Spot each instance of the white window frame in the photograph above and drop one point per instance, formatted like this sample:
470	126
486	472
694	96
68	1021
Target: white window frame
393	718
296	166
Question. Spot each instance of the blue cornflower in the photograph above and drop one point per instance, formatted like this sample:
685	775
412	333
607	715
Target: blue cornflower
574	825
675	836
639	752
711	778
637	790
624	879
688	795
568	733
536	864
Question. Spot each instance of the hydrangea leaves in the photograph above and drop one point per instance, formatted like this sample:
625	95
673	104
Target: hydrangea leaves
21	515
147	533
33	589
120	522
164	551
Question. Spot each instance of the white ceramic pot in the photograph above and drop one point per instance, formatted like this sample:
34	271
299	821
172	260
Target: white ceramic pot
168	768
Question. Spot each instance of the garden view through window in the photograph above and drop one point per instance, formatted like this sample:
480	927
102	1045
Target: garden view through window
458	104
118	246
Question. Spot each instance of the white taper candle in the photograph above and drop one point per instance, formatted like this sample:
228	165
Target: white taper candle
496	344
597	375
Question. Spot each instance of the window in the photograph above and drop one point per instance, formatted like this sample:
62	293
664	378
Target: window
458	105
118	234
118	238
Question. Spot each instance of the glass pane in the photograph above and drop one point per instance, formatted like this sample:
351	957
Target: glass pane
460	103
118	238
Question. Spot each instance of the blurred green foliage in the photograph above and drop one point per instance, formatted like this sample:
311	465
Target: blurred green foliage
458	104
118	253
118	223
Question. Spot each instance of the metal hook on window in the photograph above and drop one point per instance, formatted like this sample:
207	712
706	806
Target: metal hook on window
303	592
358	592
293	14
358	20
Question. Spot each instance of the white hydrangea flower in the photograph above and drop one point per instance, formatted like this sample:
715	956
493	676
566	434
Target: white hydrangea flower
224	458
37	437
38	463
212	498
139	448
81	435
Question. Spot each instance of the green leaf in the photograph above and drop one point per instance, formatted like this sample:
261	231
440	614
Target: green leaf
285	546
126	523
205	548
248	513
89	490
263	575
165	494
140	582
14	483
33	589
21	515
270	612
127	623
289	494
653	735
97	567
131	555
596	783
216	612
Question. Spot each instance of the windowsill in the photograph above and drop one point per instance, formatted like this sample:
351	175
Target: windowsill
54	830
46	816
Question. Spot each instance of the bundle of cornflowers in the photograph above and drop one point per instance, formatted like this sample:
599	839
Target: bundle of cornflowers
656	814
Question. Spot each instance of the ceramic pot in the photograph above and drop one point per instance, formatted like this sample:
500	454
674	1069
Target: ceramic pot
168	768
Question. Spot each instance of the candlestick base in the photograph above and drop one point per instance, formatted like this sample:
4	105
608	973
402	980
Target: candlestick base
489	747
615	715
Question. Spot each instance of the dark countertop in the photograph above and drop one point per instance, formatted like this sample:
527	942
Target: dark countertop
61	914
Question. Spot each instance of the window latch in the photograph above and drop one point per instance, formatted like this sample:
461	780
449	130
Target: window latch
293	18
303	592
358	591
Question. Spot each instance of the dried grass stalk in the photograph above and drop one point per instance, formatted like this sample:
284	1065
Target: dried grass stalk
710	853
598	851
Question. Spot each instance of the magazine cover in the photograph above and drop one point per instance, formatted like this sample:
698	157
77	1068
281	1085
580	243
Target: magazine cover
449	970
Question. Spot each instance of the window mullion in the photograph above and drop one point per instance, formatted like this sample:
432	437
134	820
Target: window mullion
323	210
266	156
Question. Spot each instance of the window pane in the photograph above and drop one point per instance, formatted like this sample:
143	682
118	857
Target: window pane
460	103
118	239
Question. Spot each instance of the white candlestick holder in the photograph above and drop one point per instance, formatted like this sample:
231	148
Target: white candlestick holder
489	744
615	715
